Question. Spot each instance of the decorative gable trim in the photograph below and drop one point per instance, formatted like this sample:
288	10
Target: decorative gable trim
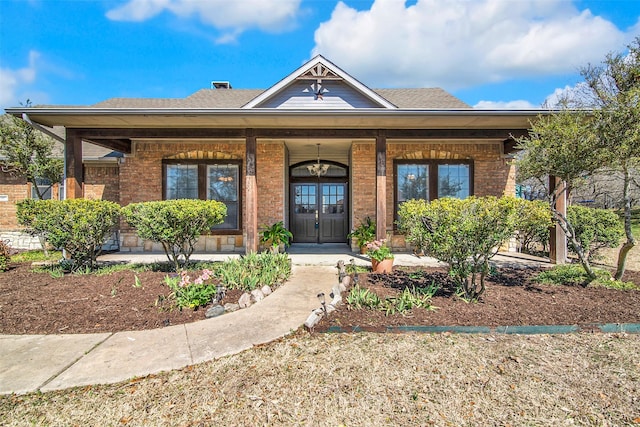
318	69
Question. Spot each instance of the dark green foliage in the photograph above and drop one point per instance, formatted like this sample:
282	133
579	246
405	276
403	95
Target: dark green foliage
364	233
79	226
276	235
595	229
175	224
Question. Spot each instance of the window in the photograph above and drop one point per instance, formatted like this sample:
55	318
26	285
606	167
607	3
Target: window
431	179
45	188
207	181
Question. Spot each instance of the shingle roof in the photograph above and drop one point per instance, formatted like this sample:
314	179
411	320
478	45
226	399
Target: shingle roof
422	98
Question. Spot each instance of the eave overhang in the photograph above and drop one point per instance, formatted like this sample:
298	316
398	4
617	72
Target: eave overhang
188	118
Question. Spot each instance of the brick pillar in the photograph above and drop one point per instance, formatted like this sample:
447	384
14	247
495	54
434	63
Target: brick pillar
251	194
557	237
381	185
73	165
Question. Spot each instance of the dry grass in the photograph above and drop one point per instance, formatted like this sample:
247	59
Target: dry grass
371	379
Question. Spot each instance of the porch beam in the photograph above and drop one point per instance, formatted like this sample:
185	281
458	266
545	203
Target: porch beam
74	178
251	193
381	185
557	237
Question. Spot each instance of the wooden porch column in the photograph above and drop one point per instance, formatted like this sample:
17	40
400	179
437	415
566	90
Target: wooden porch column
73	165
557	237
381	185
251	193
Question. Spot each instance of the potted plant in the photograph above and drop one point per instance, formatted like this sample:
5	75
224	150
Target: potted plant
363	234
381	256
275	236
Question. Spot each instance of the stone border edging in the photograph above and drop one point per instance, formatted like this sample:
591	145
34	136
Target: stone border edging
630	328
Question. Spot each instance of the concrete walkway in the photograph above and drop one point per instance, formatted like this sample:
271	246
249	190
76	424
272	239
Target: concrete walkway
50	362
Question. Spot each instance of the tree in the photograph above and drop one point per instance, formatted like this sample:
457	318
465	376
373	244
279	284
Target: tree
613	90
28	153
561	144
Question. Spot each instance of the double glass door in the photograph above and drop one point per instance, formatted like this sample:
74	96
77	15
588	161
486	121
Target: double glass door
319	212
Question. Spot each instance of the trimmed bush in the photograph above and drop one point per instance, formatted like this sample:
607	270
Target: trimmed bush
5	255
175	224
595	229
534	220
463	233
79	226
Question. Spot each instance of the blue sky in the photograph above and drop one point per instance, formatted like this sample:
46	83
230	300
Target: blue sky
489	53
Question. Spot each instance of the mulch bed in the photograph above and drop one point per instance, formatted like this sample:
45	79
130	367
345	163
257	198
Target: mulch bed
511	298
36	303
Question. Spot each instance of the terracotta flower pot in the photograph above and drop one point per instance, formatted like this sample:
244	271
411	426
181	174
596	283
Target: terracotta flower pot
384	266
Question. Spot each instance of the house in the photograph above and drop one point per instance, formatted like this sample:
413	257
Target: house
318	150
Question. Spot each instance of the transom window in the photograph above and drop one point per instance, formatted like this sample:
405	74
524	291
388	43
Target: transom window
210	180
431	179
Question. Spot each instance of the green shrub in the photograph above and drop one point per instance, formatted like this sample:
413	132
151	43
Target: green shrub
5	255
595	229
573	274
276	235
191	294
175	224
463	233
411	214
534	221
79	226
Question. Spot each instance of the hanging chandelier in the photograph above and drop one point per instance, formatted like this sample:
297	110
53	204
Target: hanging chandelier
318	169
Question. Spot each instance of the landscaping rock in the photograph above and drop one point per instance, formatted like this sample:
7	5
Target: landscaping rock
229	307
266	290
214	311
245	300
257	295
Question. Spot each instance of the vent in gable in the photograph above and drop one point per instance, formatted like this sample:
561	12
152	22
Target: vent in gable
220	85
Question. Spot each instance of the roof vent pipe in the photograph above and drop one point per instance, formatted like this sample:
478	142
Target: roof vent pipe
220	85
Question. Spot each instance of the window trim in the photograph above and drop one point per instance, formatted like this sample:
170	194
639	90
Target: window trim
433	177
202	186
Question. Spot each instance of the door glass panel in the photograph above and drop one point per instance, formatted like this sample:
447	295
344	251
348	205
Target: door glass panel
332	199
305	200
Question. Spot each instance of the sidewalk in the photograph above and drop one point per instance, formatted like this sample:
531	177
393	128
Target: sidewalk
50	362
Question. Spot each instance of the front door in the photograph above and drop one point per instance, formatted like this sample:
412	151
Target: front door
319	212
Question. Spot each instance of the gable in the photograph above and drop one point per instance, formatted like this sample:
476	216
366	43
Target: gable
319	84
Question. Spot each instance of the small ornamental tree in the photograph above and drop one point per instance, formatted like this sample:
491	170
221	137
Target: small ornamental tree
79	226
175	224
595	229
464	233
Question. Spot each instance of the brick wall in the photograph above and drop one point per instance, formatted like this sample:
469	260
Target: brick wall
102	183
492	174
141	181
271	178
15	189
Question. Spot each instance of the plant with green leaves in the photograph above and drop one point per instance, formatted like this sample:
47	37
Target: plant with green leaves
190	293
276	235
534	222
614	96
79	226
571	274
561	144
5	255
28	153
595	229
253	270
363	298
410	223
464	233
175	224
364	233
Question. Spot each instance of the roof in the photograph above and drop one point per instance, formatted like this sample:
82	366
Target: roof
420	98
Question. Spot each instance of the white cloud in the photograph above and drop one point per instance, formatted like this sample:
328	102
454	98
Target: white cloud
459	43
506	105
14	82
234	17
